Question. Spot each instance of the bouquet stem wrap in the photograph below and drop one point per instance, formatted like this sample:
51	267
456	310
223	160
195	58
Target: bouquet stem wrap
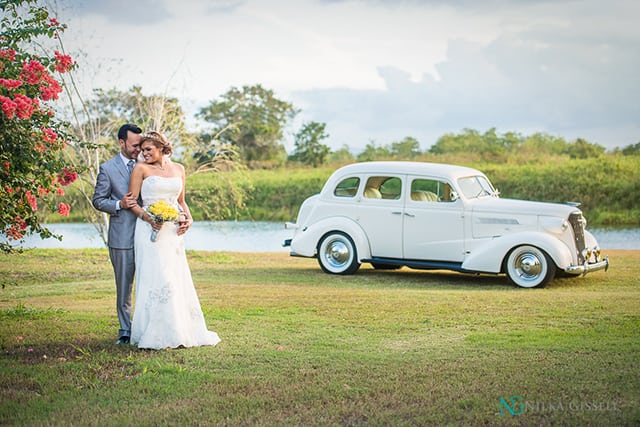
162	211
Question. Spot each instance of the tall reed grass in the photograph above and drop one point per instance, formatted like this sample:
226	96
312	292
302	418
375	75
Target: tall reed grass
608	188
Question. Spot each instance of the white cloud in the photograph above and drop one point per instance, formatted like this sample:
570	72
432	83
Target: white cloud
382	70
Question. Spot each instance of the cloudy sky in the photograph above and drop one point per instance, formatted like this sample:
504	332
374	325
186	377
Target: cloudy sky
380	70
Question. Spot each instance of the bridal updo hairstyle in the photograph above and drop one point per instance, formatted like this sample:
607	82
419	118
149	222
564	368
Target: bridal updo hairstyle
158	140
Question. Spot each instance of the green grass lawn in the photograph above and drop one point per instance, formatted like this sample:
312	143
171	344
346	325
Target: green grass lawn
300	347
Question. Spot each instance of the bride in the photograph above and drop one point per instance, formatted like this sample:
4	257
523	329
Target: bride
167	311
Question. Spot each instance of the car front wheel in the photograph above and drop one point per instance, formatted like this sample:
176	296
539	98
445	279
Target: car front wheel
337	254
529	267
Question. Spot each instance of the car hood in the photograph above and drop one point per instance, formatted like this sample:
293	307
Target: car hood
522	207
495	217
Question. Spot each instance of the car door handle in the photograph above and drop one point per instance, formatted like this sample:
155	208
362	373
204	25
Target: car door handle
400	213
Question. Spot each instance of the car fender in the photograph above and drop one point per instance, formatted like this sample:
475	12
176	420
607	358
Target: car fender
589	240
489	257
305	242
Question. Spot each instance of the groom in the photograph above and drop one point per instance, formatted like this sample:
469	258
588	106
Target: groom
111	195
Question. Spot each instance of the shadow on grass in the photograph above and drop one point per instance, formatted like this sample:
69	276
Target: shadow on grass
406	278
64	350
410	279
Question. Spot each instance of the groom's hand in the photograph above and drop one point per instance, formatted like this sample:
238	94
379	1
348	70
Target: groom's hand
127	201
183	225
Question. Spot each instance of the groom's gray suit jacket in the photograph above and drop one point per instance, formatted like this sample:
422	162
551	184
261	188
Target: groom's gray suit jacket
111	185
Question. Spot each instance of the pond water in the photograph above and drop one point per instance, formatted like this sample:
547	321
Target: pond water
248	236
241	236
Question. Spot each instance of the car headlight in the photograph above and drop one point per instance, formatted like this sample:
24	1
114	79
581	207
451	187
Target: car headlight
594	251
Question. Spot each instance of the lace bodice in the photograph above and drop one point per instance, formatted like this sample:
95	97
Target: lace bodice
156	188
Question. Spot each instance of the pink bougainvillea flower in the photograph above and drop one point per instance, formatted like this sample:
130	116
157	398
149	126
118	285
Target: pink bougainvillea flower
9	54
32	200
64	209
24	106
68	176
49	135
53	22
20	223
50	88
8	106
63	62
33	72
16	231
10	83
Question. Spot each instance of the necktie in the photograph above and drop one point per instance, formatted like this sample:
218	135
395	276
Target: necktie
130	166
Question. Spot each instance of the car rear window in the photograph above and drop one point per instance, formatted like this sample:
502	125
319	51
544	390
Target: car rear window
347	187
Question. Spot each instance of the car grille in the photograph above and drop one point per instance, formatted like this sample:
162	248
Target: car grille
577	224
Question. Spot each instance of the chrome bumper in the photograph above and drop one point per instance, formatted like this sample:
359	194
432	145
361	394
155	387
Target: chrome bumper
588	268
289	226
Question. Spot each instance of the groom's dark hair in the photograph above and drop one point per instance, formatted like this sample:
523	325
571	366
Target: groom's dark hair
122	132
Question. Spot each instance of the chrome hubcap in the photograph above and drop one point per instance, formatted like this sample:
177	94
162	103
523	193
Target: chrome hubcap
337	254
528	266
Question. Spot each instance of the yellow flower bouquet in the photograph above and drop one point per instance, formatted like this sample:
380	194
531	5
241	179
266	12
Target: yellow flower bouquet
162	211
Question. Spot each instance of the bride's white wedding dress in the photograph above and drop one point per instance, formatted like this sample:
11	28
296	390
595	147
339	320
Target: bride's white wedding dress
167	311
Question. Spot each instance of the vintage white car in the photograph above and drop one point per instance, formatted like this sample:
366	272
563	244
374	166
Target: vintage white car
437	216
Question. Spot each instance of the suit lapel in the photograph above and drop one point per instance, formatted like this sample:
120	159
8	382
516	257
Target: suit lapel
121	167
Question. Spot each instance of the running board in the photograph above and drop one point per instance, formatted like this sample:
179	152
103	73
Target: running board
420	265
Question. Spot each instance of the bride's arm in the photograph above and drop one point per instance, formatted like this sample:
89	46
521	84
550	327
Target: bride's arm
187	220
135	184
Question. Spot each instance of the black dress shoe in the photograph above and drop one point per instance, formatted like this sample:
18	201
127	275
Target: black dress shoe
123	340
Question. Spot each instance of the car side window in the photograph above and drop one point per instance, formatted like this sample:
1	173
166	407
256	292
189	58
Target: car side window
347	187
430	190
383	187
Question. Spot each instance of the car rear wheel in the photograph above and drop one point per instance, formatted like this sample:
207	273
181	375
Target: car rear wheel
337	254
529	267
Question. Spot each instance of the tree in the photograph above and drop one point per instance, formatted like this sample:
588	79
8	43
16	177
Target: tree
373	152
408	148
540	144
96	122
631	150
150	112
582	149
308	148
342	155
255	118
32	140
98	119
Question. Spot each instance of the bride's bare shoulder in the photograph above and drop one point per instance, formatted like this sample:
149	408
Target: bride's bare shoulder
177	165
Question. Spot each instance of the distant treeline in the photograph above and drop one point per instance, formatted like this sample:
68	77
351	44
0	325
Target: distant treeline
536	167
490	146
608	188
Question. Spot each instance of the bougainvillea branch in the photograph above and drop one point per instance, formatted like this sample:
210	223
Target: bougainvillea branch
33	169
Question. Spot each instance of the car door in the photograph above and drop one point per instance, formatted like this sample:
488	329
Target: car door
379	213
433	221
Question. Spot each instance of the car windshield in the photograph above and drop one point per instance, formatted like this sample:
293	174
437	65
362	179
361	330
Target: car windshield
476	186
